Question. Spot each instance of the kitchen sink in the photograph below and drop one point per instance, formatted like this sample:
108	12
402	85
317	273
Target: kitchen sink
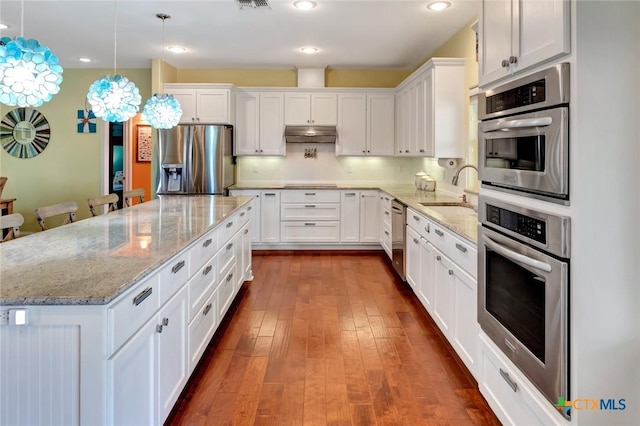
310	185
452	208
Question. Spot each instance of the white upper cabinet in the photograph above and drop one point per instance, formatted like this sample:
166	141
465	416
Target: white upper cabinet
302	109
203	104
259	126
518	34
430	111
366	124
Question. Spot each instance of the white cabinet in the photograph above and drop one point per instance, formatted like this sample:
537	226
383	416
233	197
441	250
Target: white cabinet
430	108
254	210
270	217
426	285
310	216
369	217
302	109
259	128
366	124
350	217
444	292
413	259
203	104
385	222
518	34
244	258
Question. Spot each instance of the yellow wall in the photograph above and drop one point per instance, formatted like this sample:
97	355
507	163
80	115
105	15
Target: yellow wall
364	78
69	168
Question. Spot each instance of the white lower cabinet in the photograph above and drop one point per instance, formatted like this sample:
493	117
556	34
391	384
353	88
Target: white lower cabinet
310	232
413	264
201	329
444	293
369	217
270	217
350	217
254	210
426	286
244	257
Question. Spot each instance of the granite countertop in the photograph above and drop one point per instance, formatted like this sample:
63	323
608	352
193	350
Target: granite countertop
92	261
465	225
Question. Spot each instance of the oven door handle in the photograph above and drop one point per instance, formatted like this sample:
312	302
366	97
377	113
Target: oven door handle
517	124
516	257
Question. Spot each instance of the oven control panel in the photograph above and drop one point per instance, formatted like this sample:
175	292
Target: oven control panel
526	226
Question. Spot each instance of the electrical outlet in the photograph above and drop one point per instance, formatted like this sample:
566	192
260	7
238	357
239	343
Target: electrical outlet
349	169
4	317
255	168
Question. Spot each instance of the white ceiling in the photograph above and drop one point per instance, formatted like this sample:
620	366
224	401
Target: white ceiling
217	34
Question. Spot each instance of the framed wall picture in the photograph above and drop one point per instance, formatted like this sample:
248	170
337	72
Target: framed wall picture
144	143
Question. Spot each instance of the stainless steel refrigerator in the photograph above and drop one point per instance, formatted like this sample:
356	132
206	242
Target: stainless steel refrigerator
195	159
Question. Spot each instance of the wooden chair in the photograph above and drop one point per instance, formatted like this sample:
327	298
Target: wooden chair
70	208
110	199
12	223
129	195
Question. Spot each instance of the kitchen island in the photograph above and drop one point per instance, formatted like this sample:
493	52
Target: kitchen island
103	320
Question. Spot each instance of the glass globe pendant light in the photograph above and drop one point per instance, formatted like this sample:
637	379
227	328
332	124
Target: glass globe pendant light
29	73
113	97
162	110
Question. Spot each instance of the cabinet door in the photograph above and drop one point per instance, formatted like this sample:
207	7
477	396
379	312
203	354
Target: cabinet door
352	124
187	99
381	128
427	137
245	271
494	39
541	31
213	106
443	294
413	259
350	217
426	286
465	325
172	352
132	371
247	128
421	118
297	109
324	109
270	217
369	217
272	124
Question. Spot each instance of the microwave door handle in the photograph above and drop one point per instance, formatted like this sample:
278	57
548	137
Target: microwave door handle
516	257
517	124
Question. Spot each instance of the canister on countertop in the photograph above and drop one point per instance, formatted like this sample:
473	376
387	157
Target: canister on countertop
427	183
418	177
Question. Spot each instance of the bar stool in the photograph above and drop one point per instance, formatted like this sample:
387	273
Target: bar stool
110	199
130	195
12	223
70	208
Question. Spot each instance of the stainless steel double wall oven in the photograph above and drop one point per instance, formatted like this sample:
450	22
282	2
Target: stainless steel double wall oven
524	252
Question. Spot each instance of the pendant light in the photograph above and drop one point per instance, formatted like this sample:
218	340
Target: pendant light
113	97
29	73
162	110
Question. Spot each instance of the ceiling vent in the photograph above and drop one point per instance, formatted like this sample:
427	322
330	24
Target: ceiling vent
253	4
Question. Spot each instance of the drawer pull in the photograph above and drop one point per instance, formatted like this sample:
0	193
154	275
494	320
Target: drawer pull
241	214
387	212
229	246
206	309
428	228
511	383
311	206
350	194
438	257
461	248
450	272
416	218
207	243
159	328
140	298
246	231
309	224
229	225
386	232
309	193
229	277
415	241
165	321
439	233
249	208
207	270
270	194
178	266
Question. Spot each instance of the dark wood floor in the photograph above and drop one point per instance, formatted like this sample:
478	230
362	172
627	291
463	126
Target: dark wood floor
329	338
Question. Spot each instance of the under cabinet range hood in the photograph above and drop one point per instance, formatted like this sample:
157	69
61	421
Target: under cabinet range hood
310	134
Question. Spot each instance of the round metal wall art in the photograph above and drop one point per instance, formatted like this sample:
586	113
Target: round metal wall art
24	132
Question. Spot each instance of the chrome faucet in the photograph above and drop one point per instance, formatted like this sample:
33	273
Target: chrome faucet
454	181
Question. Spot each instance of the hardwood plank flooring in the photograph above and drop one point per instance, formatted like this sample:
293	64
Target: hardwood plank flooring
329	338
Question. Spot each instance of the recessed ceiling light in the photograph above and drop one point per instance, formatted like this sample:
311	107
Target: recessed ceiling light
176	49
3	26
304	4
85	59
438	5
309	50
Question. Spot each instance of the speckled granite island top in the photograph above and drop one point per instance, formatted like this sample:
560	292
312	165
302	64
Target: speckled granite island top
92	261
464	225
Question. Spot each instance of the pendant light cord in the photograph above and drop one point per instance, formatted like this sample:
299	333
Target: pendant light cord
22	19
115	35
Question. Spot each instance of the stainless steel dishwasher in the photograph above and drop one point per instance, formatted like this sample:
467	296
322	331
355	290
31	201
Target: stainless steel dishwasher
398	225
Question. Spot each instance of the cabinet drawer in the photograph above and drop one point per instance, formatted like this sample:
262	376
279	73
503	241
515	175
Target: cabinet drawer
418	222
226	257
327	211
244	215
173	276
310	232
385	200
463	253
230	227
385	239
131	311
201	329
201	284
310	196
202	251
386	217
226	291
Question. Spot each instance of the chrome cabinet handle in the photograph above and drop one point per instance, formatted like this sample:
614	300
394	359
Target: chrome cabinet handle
439	233
246	231
504	63
415	241
422	150
387	212
511	383
229	225
165	321
309	224
386	232
206	309
350	194
438	257
311	206
450	272
309	193
513	59
428	228
207	243
461	248
249	208
229	277
159	328
416	218
207	270
143	295
269	194
177	267
241	214
229	246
